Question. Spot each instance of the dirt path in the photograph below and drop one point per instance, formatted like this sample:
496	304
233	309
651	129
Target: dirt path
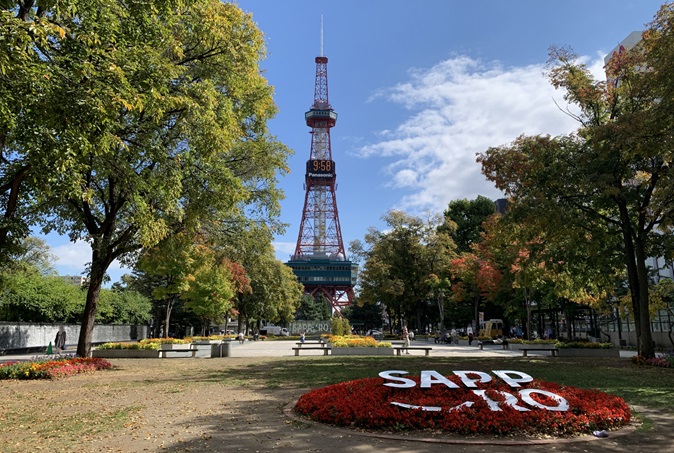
185	405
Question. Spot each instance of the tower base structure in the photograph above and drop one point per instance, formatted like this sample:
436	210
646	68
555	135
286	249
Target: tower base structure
333	279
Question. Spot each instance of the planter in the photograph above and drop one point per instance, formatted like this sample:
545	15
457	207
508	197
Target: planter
588	352
519	346
175	347
205	347
125	353
362	351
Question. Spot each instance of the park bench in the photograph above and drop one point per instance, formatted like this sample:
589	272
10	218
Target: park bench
312	343
163	352
399	349
481	344
322	348
554	351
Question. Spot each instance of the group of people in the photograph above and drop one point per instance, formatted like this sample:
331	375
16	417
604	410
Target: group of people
452	336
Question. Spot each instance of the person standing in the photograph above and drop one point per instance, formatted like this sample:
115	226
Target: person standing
302	337
469	330
60	340
406	339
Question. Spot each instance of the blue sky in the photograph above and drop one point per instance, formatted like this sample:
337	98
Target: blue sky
420	87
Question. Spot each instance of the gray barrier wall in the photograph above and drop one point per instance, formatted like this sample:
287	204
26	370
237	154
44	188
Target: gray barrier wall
30	336
629	339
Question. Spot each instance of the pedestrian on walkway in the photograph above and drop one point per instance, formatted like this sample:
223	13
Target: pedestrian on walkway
406	339
60	340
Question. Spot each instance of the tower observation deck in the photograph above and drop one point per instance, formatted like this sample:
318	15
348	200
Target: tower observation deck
319	261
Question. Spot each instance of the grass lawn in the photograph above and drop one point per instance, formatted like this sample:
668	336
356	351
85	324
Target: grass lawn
142	403
647	386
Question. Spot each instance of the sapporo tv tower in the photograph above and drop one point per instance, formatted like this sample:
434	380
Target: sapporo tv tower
320	261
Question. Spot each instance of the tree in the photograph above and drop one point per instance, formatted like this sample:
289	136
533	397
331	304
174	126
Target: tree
24	86
167	266
210	289
468	217
615	171
474	279
158	111
369	316
123	306
31	297
275	292
401	265
313	308
31	255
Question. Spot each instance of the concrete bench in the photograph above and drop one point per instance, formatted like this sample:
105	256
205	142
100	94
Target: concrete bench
554	351
482	344
399	349
164	352
321	348
312	343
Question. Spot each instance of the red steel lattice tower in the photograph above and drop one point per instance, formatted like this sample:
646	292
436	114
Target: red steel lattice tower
320	260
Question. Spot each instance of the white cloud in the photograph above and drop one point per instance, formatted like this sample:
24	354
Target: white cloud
284	250
461	107
72	258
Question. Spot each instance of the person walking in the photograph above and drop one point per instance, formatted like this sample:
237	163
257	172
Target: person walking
60	340
469	330
406	339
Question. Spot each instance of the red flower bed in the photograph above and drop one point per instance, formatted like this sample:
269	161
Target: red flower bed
368	404
51	369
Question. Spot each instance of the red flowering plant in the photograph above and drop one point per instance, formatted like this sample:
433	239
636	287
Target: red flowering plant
51	369
492	408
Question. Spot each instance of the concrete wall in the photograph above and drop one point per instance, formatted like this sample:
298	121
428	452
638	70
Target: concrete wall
661	339
30	336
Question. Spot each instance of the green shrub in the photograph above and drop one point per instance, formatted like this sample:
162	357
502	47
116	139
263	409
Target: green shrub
337	328
583	345
150	346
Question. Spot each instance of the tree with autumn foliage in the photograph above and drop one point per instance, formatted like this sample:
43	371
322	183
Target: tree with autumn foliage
473	280
615	172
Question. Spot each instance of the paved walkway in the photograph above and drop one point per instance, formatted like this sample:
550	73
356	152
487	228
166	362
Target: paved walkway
283	348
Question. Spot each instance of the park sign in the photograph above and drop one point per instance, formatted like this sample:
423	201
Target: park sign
513	379
310	327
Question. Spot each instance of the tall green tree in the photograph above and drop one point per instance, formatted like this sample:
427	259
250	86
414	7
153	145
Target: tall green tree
158	113
468	215
25	84
313	308
210	290
401	265
616	170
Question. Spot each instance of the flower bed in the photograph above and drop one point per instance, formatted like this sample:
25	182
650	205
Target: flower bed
663	362
368	404
128	346
350	341
51	369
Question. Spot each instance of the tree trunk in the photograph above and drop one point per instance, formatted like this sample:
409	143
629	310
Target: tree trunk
87	328
167	318
637	274
645	345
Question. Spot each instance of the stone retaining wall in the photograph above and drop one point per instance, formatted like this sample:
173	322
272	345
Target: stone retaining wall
28	336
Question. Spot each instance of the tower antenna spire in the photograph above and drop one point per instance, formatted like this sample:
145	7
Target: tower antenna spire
321	34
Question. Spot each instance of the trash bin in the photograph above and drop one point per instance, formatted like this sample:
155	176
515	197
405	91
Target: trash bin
226	349
216	350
